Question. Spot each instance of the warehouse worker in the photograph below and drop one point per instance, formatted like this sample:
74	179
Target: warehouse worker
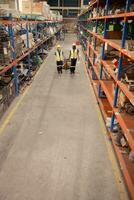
74	55
59	59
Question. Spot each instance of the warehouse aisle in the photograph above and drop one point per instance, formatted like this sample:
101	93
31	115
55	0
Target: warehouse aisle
53	148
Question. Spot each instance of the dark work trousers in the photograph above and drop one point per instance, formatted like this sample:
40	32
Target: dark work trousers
73	65
59	66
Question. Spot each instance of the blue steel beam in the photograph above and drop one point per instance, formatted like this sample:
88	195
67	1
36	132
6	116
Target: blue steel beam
36	30
11	36
103	48
124	35
28	45
128	5
97	10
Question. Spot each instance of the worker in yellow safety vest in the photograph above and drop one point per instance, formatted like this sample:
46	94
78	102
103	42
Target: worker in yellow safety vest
59	59
74	55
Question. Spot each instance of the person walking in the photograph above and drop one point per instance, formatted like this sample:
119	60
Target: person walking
74	55
59	59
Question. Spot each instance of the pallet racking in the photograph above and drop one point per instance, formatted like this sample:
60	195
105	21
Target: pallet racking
43	40
9	23
107	90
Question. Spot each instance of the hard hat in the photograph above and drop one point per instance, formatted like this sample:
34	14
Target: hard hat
58	46
74	44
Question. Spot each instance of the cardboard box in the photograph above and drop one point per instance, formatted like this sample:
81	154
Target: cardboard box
32	8
114	35
37	8
26	7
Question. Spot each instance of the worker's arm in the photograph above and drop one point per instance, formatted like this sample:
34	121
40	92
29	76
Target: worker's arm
78	54
63	55
69	55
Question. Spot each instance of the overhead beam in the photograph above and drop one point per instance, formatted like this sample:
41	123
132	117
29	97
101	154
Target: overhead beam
65	8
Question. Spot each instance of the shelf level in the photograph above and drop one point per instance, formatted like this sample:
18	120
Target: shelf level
122	15
26	53
16	22
116	44
125	90
109	66
127	124
126	121
107	87
127	167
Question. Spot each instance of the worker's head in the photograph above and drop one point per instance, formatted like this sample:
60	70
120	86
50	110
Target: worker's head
58	47
74	46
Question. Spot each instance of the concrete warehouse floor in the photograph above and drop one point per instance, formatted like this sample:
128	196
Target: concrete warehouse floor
53	147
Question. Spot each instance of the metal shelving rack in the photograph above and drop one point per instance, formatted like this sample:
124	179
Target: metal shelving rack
108	105
9	23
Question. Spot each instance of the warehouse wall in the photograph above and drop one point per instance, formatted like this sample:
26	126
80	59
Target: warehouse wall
70	25
53	2
86	2
68	3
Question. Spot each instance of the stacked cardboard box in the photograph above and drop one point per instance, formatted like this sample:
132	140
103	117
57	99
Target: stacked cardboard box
32	8
39	8
46	11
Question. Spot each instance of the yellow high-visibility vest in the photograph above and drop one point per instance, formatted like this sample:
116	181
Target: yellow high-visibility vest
74	54
59	56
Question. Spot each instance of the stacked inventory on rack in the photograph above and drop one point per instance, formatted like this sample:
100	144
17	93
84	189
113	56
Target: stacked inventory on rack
24	44
106	32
